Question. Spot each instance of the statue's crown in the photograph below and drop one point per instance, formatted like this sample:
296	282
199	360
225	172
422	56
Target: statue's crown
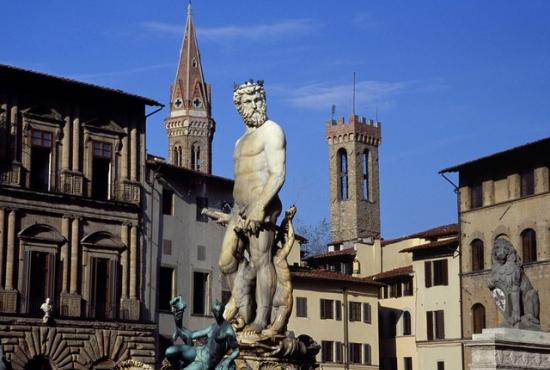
248	83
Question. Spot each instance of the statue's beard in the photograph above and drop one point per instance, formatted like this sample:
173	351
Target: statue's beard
254	117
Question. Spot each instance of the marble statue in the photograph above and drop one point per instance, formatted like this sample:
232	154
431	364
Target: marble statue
220	339
47	307
513	293
247	249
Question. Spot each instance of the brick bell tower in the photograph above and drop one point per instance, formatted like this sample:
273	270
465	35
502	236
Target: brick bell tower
354	179
190	125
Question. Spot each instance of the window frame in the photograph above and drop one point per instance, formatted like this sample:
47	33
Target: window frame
326	309
207	293
342	163
354	311
529	245
173	281
301	303
477	250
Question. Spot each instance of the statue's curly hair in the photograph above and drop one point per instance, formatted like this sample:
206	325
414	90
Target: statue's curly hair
511	252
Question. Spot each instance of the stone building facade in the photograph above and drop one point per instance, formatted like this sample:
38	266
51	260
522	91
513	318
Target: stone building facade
72	163
183	243
190	125
503	195
354	179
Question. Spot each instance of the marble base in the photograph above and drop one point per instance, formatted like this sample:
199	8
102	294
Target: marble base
510	349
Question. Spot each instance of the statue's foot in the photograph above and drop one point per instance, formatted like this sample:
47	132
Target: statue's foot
254	328
269	332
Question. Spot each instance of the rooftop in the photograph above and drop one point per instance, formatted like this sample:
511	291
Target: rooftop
5	68
512	152
341	252
161	165
433	233
432	245
320	274
400	271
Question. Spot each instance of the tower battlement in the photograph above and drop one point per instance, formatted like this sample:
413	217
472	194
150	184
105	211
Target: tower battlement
358	129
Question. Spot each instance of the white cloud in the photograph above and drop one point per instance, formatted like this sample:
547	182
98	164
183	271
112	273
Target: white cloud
252	32
379	94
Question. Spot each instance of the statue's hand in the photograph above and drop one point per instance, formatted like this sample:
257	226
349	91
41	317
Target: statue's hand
252	218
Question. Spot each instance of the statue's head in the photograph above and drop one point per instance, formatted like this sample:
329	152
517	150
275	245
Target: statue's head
217	310
504	251
249	99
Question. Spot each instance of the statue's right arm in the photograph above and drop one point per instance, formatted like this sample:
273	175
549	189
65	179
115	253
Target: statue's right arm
200	333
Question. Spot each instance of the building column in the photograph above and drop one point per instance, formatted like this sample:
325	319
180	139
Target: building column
76	143
74	254
10	255
66	155
124	158
65	253
124	260
2	232
133	153
133	261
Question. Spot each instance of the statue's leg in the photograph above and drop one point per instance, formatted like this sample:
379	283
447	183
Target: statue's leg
228	263
244	281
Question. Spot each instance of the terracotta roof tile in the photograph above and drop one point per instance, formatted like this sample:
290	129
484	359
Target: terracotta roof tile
432	245
320	274
436	232
341	252
400	271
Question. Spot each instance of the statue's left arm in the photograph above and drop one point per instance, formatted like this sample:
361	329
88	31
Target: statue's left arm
275	154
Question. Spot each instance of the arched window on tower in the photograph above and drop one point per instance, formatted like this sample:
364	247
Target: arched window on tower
478	318
176	155
366	175
478	262
195	157
529	245
343	174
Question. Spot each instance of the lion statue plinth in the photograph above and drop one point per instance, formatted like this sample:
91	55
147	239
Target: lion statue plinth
512	290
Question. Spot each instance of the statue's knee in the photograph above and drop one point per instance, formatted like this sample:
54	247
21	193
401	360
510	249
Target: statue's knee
171	352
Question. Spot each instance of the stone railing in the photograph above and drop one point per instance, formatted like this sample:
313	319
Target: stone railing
130	191
72	183
12	175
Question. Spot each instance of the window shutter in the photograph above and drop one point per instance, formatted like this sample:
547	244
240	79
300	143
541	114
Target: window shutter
440	324
428	273
338	310
366	313
430	325
321	304
445	272
366	354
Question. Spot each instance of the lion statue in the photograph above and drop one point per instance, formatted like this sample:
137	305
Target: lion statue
519	301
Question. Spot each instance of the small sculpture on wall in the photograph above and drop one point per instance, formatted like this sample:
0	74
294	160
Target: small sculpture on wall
47	307
510	287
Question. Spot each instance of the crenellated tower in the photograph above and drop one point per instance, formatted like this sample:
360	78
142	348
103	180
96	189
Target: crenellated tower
190	125
354	179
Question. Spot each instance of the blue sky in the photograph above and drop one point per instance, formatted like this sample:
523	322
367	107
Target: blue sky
450	81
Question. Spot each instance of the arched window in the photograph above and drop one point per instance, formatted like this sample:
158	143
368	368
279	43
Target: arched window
366	175
406	323
478	318
529	244
477	255
195	157
343	174
176	155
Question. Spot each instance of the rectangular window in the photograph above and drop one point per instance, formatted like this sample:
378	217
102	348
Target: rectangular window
201	204
436	273
367	354
166	287
167	202
396	289
476	196
527	182
408	287
41	160
201	252
366	313
355	353
338	310
101	170
41	280
408	363
167	247
201	293
301	307
327	309
354	311
338	352
327	351
440	365
103	298
435	322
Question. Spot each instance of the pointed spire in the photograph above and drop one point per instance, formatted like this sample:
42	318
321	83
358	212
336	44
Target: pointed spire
190	91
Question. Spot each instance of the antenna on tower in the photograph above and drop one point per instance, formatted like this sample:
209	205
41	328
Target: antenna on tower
353	102
332	111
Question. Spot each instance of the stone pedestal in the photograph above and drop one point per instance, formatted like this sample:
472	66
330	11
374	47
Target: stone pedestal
510	349
70	305
8	301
